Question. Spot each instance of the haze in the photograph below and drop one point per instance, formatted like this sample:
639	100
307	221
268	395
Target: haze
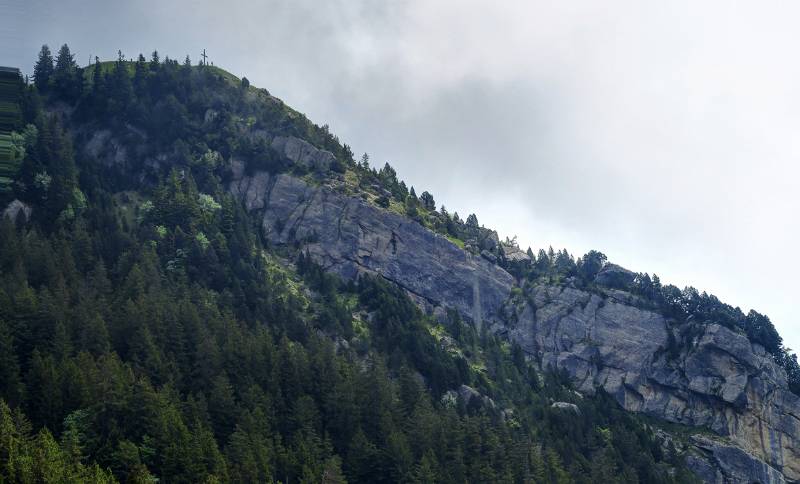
663	134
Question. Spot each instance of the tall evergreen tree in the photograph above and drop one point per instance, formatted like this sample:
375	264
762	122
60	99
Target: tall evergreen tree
65	77
43	70
428	202
155	61
97	77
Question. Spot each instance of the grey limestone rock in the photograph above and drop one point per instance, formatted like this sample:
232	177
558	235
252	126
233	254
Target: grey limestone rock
16	208
104	147
490	241
720	463
489	256
721	381
515	254
348	236
567	407
303	153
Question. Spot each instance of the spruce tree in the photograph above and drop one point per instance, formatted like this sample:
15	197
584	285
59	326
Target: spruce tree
97	76
155	61
43	70
65	74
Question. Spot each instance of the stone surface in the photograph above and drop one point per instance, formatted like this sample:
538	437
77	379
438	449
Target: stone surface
489	256
104	147
720	463
721	381
15	208
210	116
303	153
515	254
348	236
567	407
490	240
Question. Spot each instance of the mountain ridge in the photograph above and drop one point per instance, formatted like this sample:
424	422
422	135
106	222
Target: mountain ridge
195	167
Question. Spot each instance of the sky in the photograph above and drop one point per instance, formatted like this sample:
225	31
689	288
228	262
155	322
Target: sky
664	134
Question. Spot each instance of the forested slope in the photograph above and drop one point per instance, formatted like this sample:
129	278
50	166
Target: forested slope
150	329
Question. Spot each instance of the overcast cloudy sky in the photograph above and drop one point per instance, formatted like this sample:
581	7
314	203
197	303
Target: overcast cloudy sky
665	134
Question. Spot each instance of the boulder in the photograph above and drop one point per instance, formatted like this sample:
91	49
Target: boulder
567	407
467	394
515	254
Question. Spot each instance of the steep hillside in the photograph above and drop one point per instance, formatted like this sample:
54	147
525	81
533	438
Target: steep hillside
704	374
198	284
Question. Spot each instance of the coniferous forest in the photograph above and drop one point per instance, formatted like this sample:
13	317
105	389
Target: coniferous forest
148	332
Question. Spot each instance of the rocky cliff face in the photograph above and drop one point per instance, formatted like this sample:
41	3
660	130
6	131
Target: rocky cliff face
721	381
349	236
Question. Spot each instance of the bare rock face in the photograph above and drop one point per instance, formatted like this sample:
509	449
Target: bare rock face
16	209
303	153
567	407
600	342
718	463
719	381
348	236
104	147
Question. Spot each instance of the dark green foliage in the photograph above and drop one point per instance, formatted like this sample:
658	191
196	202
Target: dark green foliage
591	264
43	70
67	77
427	201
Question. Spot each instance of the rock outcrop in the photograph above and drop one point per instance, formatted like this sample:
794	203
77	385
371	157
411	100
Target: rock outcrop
16	209
718	381
567	407
303	153
348	236
721	381
515	254
104	147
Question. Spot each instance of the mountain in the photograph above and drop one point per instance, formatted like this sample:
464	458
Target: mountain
199	284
